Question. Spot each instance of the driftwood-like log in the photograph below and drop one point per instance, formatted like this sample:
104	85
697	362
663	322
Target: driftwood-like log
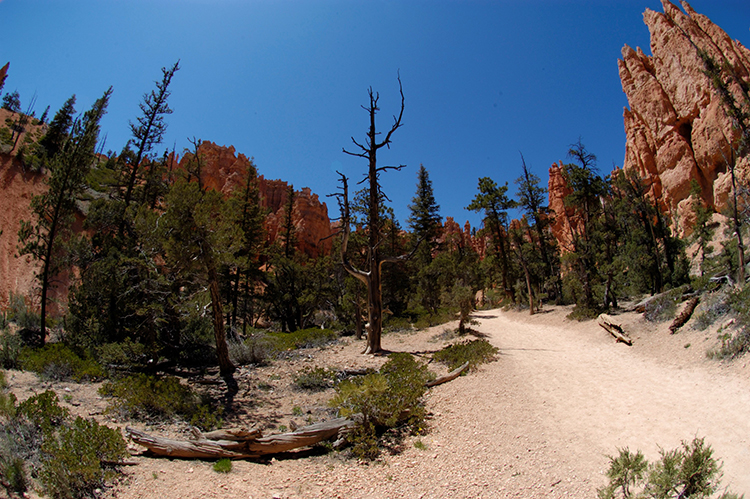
685	315
239	443
448	377
614	329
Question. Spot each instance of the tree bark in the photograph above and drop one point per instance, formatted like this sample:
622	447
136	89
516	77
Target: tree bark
222	351
239	443
615	329
685	315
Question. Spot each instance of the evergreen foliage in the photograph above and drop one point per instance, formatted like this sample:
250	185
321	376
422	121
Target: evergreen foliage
12	102
45	238
688	471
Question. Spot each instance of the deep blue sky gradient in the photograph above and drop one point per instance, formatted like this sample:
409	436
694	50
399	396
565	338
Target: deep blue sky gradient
283	81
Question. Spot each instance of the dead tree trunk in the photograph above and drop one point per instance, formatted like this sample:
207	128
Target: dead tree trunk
614	329
685	315
239	443
372	277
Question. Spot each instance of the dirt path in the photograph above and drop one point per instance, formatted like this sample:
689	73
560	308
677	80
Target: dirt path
539	422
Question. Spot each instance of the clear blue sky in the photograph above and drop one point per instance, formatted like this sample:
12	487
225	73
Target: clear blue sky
283	81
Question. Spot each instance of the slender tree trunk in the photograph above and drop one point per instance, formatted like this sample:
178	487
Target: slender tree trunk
222	351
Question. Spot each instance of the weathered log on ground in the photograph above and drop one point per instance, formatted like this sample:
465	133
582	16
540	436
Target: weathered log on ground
239	443
448	377
685	315
615	329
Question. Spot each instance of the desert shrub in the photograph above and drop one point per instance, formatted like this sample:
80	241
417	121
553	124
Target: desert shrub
206	417
732	344
394	324
315	379
474	352
144	397
582	313
126	354
11	349
57	361
44	411
303	338
13	474
223	465
389	398
22	312
688	471
256	349
74	462
38	438
736	343
712	307
661	308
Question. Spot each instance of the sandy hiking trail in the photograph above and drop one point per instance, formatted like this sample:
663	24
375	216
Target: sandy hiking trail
539	422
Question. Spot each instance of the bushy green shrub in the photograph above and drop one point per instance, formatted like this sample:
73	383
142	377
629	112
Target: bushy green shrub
57	361
688	471
315	379
44	411
303	338
474	352
125	354
387	399
75	462
223	465
71	458
144	397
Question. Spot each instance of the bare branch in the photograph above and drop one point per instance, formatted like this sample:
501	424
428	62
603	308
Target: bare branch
396	121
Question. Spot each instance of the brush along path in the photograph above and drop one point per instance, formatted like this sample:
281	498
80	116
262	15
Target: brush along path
539	422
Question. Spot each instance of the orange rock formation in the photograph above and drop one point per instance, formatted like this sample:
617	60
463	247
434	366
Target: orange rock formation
676	127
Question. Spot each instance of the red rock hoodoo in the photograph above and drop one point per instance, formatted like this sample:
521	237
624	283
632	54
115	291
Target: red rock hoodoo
676	127
223	170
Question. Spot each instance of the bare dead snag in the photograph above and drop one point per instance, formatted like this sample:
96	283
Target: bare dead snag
448	377
615	329
685	315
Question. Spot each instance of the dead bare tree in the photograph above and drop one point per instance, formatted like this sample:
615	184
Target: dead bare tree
371	276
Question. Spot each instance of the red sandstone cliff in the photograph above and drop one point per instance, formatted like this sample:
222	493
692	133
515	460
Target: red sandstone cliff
676	127
223	170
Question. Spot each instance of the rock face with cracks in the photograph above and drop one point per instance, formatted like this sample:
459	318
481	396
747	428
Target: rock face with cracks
676	127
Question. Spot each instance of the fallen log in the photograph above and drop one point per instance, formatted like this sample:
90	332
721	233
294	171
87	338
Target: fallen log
246	444
615	329
685	315
448	377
